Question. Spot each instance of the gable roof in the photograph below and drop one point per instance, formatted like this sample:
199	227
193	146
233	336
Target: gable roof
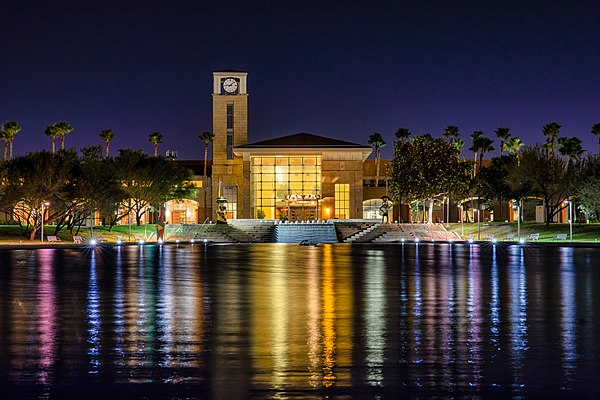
304	140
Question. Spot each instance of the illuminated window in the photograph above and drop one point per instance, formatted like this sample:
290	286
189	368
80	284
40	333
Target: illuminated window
231	194
342	200
274	181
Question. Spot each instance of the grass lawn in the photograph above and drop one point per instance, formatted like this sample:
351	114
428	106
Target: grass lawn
12	234
581	232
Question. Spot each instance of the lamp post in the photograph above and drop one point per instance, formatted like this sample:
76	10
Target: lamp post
462	221
570	204
517	206
44	204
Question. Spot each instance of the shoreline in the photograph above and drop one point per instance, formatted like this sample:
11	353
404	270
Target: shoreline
209	243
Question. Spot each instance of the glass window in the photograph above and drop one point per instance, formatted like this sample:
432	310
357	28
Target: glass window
230	116
342	200
230	146
273	179
231	194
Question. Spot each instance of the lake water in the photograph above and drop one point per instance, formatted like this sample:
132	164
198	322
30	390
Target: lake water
287	321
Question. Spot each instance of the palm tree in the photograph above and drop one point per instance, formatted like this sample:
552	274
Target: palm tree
513	145
107	135
156	138
476	138
451	132
63	127
596	131
53	132
206	137
485	146
4	136
402	133
459	144
570	147
503	134
376	140
10	129
551	131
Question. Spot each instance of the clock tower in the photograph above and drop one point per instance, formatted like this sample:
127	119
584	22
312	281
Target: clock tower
230	129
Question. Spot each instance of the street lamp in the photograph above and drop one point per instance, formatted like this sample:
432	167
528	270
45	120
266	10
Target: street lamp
570	204
462	221
44	204
516	205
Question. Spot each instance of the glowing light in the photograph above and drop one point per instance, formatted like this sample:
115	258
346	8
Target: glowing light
471	240
160	241
93	242
141	241
417	240
119	241
192	241
494	241
521	241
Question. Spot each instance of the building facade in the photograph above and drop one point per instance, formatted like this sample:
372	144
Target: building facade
296	177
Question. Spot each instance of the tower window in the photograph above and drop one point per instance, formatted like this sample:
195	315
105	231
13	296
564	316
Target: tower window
229	145
229	116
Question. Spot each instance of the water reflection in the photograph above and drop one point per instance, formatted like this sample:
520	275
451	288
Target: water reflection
518	319
375	317
568	315
266	321
47	324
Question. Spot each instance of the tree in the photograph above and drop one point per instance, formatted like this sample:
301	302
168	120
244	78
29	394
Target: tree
492	182
476	138
49	178
513	145
426	169
503	134
570	147
63	128
149	181
403	133
485	146
107	135
9	130
546	176
451	132
53	132
207	138
551	131
376	140
156	138
596	131
459	144
4	136
588	189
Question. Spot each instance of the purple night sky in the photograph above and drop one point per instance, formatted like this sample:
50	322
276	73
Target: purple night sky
341	70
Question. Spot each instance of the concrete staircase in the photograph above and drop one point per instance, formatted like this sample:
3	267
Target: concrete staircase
209	232
359	236
258	231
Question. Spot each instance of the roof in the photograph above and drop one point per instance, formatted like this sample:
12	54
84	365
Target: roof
230	70
304	140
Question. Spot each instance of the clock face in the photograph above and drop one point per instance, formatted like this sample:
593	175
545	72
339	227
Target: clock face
230	85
